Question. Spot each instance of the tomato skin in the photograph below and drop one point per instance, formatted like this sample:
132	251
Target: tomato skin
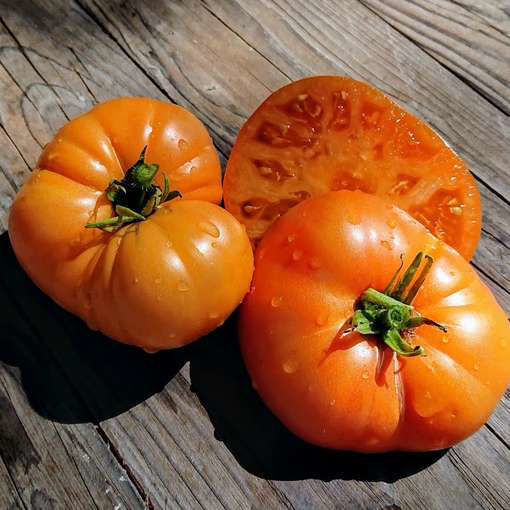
330	133
347	393
159	283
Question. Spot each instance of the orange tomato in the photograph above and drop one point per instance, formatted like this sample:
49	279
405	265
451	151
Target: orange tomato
337	388
331	133
157	283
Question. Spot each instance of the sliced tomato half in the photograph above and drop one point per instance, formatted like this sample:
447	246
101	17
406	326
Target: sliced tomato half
332	133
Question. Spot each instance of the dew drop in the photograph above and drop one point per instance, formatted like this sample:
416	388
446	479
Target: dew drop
172	336
353	218
476	366
428	395
314	263
322	318
391	223
169	244
332	402
324	430
453	415
365	374
214	315
445	340
297	254
291	238
135	280
386	244
453	178
214	244
452	273
276	301
182	286
209	228
289	367
182	144
456	210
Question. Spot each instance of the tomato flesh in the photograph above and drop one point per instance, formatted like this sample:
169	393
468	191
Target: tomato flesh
332	133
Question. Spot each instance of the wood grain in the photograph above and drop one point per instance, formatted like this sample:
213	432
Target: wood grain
186	429
472	39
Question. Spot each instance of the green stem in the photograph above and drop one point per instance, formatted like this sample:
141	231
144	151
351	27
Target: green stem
135	197
387	314
378	298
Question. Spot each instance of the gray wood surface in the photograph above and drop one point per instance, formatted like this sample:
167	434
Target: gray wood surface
90	423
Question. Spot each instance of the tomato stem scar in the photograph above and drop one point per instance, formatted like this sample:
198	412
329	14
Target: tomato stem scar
388	314
135	197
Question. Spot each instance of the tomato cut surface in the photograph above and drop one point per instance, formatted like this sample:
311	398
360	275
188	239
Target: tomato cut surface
332	133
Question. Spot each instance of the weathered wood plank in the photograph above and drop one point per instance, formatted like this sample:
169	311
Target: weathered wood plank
50	464
463	36
9	497
99	50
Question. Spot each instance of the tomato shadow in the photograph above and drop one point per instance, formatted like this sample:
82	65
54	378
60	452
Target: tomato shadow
260	443
69	373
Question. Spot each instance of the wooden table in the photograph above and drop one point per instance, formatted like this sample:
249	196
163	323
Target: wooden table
89	423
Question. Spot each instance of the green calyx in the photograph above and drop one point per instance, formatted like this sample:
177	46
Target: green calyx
135	197
389	314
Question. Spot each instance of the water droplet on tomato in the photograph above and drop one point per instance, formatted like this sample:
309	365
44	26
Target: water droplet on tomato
169	244
209	228
171	336
456	210
453	415
291	238
214	315
296	255
445	340
391	223
182	144
453	179
332	402
289	367
314	263
365	374
476	366
276	301
182	286
353	218
386	244
428	395
214	244
322	318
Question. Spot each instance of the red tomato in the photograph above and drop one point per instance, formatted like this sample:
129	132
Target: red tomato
350	390
331	133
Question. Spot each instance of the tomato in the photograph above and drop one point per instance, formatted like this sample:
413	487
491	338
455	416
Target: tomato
330	133
157	274
425	385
